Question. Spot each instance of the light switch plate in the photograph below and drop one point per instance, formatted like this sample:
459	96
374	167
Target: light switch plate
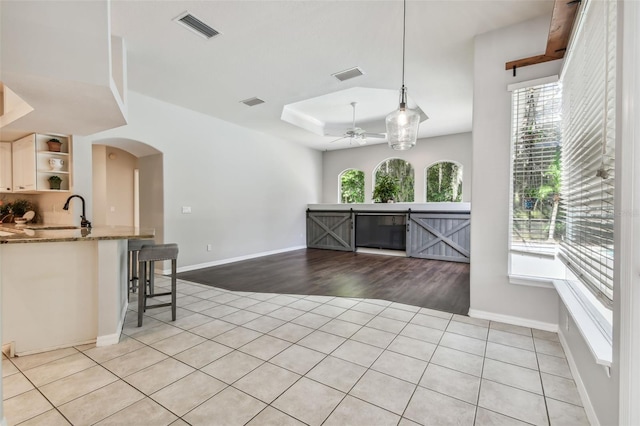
186	209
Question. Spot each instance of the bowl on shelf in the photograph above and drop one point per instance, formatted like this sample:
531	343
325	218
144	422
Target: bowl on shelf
20	220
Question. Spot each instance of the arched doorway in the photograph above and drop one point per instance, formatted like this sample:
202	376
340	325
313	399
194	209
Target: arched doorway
128	187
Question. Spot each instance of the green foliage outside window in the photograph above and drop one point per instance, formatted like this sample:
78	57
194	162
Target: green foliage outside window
352	186
444	182
537	215
402	173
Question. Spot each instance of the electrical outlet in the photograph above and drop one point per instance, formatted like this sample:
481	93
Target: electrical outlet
209	247
186	210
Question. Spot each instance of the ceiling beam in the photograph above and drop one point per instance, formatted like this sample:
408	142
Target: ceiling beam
562	20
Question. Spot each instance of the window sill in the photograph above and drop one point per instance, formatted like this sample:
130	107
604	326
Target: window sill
588	320
530	281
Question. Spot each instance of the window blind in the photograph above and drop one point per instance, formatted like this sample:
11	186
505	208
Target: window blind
588	152
535	148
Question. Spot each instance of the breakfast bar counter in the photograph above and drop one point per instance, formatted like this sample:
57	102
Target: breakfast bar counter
12	234
63	286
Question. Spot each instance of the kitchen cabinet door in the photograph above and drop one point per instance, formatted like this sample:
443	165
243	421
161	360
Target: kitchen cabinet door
6	174
24	164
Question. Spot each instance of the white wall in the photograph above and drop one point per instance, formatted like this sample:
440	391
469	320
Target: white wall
152	195
113	181
491	292
248	191
426	152
120	166
99	193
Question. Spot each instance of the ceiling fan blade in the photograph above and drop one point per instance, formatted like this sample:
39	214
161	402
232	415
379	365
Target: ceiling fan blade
339	139
375	135
353	125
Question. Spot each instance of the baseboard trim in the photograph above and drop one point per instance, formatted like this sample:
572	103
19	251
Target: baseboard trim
582	390
231	260
53	348
112	339
508	319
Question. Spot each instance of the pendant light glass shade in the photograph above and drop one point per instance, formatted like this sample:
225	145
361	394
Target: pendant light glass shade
402	125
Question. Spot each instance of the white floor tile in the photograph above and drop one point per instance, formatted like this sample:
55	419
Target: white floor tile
309	401
432	408
315	359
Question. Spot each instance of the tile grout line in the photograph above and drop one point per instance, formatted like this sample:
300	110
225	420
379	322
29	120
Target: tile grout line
425	369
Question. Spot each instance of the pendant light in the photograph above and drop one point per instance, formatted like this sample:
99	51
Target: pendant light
402	125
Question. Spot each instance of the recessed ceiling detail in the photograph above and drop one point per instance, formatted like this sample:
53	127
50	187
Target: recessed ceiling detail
331	114
348	74
252	101
196	26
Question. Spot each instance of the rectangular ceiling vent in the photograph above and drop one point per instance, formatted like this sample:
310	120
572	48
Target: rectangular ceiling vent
252	102
348	74
195	25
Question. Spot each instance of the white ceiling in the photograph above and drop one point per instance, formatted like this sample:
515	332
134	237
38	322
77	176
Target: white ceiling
285	52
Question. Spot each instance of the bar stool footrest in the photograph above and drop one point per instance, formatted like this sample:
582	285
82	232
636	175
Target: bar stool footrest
160	305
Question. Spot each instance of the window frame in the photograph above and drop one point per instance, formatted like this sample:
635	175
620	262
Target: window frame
375	172
426	180
364	193
543	250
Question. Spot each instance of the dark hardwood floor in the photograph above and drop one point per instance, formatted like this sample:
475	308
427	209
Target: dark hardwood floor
428	283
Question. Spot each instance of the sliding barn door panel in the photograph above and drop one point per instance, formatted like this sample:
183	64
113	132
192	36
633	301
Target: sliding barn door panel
330	230
438	236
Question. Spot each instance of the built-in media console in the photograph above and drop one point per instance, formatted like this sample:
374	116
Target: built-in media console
431	230
381	231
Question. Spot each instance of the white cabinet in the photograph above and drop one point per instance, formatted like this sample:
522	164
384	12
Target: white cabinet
6	168
34	164
24	164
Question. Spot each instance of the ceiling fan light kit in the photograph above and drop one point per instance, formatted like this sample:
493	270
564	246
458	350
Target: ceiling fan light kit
402	125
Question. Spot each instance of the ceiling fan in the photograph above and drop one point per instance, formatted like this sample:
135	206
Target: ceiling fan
356	133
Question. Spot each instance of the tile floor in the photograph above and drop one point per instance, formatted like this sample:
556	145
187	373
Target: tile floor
235	358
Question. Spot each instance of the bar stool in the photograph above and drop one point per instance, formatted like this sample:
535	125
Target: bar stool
133	271
151	254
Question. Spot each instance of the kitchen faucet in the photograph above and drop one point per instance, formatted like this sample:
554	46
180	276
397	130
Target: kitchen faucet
84	223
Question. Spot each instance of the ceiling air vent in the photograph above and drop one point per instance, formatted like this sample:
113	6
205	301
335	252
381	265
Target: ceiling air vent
347	74
252	102
192	23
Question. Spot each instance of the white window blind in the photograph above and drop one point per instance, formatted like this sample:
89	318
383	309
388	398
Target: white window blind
535	184
588	154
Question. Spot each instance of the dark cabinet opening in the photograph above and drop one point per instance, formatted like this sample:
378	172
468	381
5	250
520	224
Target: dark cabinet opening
382	231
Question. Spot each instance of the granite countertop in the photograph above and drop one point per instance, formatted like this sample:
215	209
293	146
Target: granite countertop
38	233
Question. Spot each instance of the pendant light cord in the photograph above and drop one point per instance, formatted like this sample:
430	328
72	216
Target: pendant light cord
404	35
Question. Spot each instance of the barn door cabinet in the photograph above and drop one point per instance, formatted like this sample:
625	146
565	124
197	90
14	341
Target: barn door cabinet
34	163
438	231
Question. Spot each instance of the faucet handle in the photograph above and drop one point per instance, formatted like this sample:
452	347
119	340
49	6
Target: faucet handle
84	223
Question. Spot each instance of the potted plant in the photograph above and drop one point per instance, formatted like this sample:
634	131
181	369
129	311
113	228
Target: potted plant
54	145
54	182
14	209
386	189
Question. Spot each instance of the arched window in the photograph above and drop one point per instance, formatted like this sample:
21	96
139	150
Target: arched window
352	186
394	180
444	182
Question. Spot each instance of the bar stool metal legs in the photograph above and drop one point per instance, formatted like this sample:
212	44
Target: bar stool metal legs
149	254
